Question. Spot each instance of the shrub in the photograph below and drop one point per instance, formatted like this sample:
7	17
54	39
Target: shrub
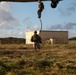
2	70
43	63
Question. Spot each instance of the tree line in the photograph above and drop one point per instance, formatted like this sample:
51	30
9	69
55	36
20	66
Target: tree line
12	40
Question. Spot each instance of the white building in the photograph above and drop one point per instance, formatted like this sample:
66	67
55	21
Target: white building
55	37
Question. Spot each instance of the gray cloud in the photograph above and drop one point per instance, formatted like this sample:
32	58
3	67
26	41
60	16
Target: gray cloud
56	26
69	10
12	33
9	25
31	28
7	21
30	25
69	26
64	26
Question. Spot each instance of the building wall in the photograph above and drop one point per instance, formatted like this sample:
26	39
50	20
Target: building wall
28	36
56	36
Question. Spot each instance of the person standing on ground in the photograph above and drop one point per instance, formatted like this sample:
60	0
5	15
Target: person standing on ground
37	40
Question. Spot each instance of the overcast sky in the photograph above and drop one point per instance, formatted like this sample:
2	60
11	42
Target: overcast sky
17	18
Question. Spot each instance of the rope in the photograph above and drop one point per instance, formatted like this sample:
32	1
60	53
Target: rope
41	24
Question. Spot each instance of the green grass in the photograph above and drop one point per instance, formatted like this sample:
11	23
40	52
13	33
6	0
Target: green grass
12	46
58	59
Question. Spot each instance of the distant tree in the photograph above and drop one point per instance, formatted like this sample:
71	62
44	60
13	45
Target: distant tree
73	38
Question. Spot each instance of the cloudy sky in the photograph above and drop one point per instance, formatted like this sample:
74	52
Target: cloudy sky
17	18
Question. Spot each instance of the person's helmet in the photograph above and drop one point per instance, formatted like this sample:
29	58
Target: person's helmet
39	1
35	31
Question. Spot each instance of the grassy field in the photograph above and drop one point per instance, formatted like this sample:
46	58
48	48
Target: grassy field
59	59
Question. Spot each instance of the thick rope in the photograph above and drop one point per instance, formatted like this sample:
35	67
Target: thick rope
41	24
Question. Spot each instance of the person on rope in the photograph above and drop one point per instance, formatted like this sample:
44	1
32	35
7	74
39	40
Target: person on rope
41	7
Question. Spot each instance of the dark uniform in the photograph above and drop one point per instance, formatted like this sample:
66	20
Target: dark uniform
37	40
41	7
